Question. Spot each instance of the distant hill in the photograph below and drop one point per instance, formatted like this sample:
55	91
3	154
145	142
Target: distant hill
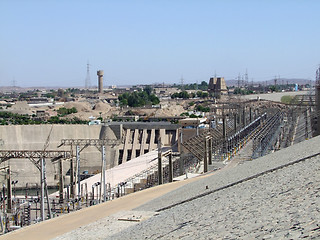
280	81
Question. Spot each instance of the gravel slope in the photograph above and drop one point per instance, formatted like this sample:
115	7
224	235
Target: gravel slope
245	202
231	175
284	204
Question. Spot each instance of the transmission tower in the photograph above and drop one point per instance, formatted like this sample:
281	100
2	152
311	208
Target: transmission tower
182	87
246	77
87	81
14	82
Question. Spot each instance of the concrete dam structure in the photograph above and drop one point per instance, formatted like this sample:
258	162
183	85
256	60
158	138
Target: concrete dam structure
125	141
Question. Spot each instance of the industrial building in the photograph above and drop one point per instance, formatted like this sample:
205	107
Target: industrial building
217	86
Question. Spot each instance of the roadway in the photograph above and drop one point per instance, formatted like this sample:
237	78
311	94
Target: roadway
55	227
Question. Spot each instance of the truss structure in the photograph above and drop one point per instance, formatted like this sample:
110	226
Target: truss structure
33	156
88	142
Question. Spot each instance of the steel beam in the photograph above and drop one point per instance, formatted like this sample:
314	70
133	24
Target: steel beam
88	142
33	154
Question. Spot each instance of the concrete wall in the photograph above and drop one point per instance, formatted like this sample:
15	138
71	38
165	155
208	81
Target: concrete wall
140	138
33	137
133	140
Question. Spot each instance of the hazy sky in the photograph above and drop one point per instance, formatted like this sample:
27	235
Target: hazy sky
48	42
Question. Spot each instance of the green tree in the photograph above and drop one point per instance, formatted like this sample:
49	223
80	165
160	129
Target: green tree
148	90
139	98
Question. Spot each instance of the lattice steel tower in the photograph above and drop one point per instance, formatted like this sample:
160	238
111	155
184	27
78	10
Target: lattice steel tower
87	81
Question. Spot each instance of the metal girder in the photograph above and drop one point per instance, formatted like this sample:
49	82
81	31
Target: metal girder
88	142
32	155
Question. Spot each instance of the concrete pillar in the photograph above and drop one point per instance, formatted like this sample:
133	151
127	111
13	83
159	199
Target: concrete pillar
175	137
170	168
205	159
160	170
151	145
135	143
210	151
180	140
250	113
162	134
125	146
181	164
143	141
244	117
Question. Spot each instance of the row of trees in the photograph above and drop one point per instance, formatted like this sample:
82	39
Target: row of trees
186	95
193	86
242	91
65	111
139	98
201	108
7	118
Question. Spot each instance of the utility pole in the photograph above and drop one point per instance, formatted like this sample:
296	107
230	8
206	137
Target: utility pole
42	189
60	182
160	174
103	172
71	175
170	167
78	173
9	190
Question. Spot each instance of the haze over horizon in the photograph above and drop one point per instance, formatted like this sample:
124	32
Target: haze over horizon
48	43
